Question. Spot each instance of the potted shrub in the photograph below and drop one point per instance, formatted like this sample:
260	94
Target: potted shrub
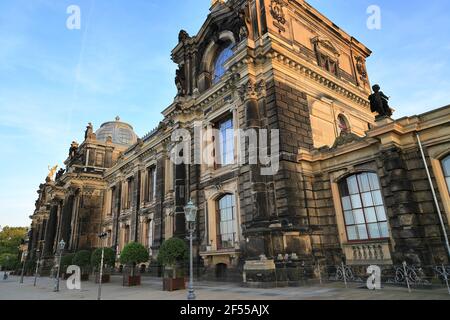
83	260
66	261
133	254
172	255
108	261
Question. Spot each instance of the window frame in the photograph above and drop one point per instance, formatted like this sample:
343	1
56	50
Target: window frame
224	49
446	173
221	149
363	208
232	222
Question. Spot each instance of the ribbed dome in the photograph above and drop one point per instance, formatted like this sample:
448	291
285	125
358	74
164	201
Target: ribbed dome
121	133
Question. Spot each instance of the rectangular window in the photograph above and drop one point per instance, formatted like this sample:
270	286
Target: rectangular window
226	221
224	143
364	211
150	185
129	193
99	159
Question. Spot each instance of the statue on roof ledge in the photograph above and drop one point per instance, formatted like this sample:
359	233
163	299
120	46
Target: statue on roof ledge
89	130
379	103
73	149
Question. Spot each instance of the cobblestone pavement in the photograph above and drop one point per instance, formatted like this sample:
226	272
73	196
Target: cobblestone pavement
151	289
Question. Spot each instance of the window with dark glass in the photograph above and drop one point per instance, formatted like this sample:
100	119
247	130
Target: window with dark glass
364	210
226	215
219	64
129	193
150	185
446	168
224	142
113	198
328	64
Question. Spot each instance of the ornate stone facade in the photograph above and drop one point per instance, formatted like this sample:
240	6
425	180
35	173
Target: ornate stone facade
292	70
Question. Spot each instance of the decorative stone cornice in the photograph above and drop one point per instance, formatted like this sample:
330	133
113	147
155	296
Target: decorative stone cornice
319	78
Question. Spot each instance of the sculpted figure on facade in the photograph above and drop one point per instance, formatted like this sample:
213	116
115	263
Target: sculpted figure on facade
89	131
51	173
379	102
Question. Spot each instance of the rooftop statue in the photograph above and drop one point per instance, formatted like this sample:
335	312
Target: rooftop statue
89	131
52	171
379	102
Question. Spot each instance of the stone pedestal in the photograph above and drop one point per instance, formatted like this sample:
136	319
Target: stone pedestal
383	120
260	274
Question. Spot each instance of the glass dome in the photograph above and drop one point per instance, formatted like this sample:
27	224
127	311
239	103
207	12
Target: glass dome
121	133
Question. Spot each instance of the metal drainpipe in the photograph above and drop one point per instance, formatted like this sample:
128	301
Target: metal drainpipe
434	194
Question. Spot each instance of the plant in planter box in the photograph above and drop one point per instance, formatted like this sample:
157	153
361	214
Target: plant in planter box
66	261
83	260
109	259
172	255
133	254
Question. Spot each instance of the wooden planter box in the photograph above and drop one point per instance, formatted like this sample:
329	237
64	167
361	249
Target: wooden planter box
170	284
131	281
106	278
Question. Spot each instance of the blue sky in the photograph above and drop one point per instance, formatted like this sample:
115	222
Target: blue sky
53	81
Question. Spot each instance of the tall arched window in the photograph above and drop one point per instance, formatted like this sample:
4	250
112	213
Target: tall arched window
446	168
364	211
226	222
219	68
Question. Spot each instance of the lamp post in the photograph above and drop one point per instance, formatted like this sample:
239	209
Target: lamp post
24	258
61	246
38	257
102	236
190	211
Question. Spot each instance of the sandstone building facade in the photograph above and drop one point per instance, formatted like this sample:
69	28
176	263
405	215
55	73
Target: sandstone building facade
348	188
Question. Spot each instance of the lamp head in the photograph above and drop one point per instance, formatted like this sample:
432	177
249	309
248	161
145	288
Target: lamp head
190	211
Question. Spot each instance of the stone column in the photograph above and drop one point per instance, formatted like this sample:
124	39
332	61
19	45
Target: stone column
116	196
51	230
66	219
135	206
159	200
402	210
253	184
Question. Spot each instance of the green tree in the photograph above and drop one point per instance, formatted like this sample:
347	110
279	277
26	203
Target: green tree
83	260
9	261
133	254
109	258
66	261
173	251
11	239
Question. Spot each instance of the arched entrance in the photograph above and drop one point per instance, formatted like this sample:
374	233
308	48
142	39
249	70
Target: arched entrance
221	271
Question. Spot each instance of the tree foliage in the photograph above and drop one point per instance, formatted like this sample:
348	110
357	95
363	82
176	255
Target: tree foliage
11	239
9	261
66	261
173	251
134	253
82	259
109	258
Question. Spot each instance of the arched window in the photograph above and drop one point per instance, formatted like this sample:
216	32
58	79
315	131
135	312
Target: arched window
219	68
364	211
226	222
446	168
344	127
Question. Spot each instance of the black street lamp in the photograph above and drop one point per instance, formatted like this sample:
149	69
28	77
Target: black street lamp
190	211
60	250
